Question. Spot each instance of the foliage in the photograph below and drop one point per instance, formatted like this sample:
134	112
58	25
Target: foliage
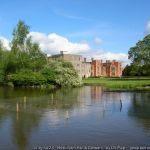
49	74
140	54
27	78
140	57
3	62
24	53
37	59
61	73
131	70
19	37
135	70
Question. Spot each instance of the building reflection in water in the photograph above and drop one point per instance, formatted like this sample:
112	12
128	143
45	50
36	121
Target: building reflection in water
108	100
96	93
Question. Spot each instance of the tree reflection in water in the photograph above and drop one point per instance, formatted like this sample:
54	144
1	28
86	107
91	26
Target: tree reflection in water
140	109
25	109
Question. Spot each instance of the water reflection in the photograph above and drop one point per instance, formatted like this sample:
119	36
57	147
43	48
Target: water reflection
140	109
86	115
96	93
22	126
26	112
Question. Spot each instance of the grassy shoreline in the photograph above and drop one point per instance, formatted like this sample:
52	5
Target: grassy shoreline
142	83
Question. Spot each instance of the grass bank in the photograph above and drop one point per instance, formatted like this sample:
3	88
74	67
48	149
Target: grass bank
133	83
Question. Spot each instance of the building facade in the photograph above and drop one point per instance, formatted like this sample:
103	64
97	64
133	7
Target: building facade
95	68
106	69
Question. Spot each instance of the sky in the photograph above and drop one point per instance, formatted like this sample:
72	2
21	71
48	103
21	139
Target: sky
102	29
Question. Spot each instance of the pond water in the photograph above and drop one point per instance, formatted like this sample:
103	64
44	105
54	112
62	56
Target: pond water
85	116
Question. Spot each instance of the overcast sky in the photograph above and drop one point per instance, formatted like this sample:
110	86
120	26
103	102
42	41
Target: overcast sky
103	29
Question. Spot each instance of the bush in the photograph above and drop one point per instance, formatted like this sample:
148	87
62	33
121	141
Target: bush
67	77
27	78
49	74
62	74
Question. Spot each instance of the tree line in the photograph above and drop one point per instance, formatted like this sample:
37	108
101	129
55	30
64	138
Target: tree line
140	59
26	65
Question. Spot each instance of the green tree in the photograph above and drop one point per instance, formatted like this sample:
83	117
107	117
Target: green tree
37	59
18	57
140	54
140	57
25	54
126	70
19	37
3	62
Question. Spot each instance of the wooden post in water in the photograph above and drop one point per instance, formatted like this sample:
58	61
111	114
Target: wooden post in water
17	107
24	99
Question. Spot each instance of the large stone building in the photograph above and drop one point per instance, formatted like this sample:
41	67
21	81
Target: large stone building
95	68
80	64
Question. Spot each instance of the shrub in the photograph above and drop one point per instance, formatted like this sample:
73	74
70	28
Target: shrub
62	74
27	78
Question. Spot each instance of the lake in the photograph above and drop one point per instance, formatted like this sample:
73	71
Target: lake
85	116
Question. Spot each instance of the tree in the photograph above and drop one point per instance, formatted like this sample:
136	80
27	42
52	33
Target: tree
37	58
3	62
126	70
140	57
18	57
140	54
25	54
19	36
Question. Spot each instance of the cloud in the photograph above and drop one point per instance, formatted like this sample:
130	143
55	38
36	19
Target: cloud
54	43
98	40
147	31
106	55
5	42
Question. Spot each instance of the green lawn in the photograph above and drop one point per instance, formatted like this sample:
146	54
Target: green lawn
120	83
